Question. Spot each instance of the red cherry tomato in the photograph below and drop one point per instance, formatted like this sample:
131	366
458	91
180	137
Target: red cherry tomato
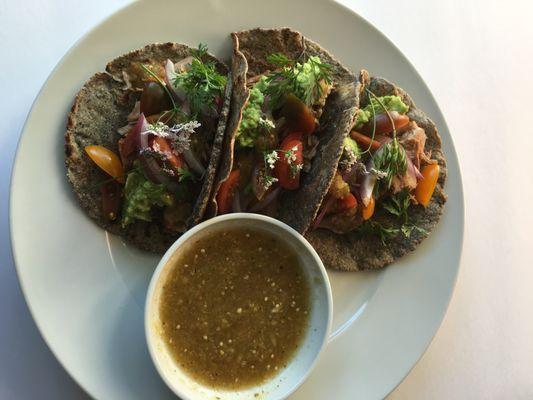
347	202
286	168
384	124
107	160
174	160
227	191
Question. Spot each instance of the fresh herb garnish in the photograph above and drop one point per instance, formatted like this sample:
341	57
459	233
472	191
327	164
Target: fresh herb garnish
305	80
185	174
202	83
390	158
374	228
398	204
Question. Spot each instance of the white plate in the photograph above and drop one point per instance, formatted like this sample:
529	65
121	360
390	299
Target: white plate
86	289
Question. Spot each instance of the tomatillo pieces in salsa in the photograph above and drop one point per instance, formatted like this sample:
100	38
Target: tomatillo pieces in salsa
235	307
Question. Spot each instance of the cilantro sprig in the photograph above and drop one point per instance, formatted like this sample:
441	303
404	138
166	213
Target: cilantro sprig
202	83
305	80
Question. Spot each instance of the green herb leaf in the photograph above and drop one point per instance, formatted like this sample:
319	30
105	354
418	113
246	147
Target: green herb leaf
185	174
202	83
392	160
303	80
398	204
280	60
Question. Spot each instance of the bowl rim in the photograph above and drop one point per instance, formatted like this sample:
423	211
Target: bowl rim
154	280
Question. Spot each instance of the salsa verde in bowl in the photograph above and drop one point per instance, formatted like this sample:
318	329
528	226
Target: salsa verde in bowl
239	307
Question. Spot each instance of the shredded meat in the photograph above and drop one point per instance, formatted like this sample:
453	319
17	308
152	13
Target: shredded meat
414	141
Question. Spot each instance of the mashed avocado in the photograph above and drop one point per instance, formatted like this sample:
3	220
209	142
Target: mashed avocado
253	117
140	195
391	103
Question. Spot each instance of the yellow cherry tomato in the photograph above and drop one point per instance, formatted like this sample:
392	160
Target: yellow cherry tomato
107	161
426	186
368	211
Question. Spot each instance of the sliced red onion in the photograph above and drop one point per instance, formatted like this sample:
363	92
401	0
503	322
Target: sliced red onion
193	162
236	203
267	200
181	66
325	208
169	75
367	184
184	64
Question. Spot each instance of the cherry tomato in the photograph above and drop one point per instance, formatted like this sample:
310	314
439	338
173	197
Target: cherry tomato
286	169
426	186
383	123
111	200
297	115
227	191
368	211
294	136
154	99
365	141
174	160
346	203
107	161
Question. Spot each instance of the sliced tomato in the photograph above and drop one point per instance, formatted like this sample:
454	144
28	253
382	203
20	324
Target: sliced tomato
176	161
297	115
296	135
384	123
346	203
368	210
227	191
286	170
107	161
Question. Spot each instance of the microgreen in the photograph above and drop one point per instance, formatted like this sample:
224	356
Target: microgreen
303	80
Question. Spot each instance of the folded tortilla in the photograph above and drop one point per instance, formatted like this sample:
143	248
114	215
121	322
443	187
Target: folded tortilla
353	252
297	208
100	108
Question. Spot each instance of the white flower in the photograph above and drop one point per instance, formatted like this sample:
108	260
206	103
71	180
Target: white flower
157	129
266	123
269	181
179	134
271	159
290	155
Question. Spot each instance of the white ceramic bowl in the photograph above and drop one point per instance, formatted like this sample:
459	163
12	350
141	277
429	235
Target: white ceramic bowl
288	380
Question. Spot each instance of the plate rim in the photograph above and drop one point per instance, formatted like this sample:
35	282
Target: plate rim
95	27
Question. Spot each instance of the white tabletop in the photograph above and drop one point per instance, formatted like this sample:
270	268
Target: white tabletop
477	58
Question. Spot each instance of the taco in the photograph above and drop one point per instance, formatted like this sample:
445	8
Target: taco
292	105
144	140
387	194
